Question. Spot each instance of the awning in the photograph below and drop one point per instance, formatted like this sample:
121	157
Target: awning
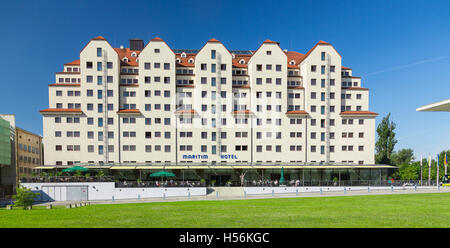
149	167
123	167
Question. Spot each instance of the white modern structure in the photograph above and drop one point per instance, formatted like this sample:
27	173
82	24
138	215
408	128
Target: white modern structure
156	105
442	106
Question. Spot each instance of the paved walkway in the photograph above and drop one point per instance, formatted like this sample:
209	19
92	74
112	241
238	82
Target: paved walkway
213	197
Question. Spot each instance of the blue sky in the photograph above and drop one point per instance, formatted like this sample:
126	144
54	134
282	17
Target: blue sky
400	48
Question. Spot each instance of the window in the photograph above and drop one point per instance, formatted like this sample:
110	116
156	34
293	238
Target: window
166	66
313	68
99	66
259	67
213	54
147	66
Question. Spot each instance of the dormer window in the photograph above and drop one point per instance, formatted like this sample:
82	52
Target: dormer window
234	56
183	55
191	61
292	62
178	60
125	59
133	54
242	61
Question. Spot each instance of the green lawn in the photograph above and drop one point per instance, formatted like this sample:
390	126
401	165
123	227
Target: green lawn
414	210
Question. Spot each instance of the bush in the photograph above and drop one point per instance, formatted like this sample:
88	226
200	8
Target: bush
24	197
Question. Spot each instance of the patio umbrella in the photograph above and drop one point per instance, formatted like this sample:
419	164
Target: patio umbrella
162	174
282	176
75	168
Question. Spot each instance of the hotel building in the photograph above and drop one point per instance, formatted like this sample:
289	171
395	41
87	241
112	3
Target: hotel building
148	105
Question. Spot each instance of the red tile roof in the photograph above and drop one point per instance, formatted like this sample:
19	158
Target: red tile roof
156	39
237	58
242	112
126	52
354	88
75	62
297	57
297	112
213	40
346	68
358	113
129	111
60	110
270	41
98	38
184	62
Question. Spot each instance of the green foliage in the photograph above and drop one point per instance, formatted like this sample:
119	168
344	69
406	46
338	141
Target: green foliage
77	173
87	175
386	141
100	173
403	156
24	197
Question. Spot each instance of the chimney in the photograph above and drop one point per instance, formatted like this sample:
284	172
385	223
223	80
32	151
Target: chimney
136	44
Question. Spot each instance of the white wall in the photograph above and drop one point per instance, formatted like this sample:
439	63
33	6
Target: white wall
106	190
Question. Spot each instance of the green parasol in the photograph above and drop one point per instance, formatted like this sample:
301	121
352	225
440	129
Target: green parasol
282	176
162	174
75	168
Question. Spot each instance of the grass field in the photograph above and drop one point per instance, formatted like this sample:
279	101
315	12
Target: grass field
415	210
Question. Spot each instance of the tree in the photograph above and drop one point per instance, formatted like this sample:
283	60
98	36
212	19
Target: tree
386	141
409	171
24	197
403	156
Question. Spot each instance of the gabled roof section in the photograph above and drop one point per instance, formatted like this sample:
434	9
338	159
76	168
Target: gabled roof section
126	52
213	41
157	39
269	42
318	44
96	38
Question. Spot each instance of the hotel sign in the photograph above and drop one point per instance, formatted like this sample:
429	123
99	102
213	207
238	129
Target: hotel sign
205	156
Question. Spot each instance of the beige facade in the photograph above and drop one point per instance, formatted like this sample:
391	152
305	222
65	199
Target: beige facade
212	105
29	152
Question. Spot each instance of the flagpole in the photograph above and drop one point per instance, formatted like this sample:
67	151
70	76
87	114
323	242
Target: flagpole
421	170
445	170
429	170
437	171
